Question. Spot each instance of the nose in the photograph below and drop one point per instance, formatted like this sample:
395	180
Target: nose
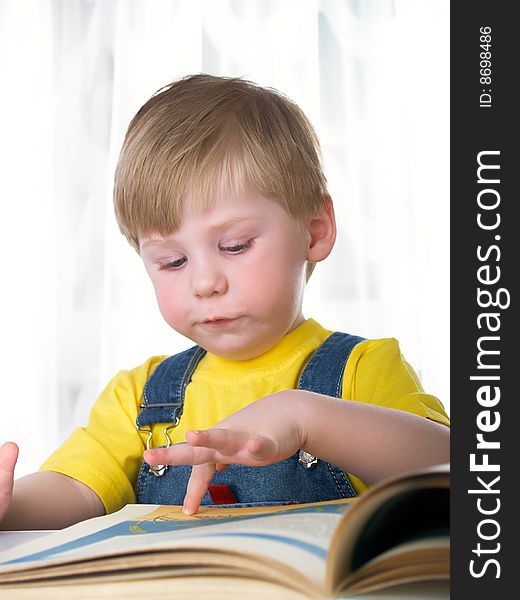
208	280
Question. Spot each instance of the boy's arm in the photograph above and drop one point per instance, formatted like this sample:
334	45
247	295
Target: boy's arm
371	442
44	500
381	441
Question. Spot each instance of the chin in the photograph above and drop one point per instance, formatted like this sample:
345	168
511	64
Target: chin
237	351
237	345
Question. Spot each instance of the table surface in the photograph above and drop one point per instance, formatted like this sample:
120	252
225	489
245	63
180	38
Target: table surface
10	539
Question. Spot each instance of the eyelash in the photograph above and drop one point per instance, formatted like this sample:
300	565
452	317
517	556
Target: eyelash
238	248
174	265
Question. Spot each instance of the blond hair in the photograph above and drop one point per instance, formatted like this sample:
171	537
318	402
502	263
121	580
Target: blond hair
203	136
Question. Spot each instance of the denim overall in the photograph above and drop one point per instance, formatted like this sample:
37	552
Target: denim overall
299	478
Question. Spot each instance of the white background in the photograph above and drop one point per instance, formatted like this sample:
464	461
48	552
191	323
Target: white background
76	307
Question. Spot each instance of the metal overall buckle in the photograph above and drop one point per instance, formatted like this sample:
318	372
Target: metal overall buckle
158	470
308	461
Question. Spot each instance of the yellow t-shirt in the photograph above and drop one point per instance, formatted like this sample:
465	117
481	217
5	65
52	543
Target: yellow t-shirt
107	454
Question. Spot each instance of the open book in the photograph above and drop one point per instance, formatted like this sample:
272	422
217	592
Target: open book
396	533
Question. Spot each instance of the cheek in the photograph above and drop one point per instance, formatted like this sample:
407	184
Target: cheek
170	302
273	282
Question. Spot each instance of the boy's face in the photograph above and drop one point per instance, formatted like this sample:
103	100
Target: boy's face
231	279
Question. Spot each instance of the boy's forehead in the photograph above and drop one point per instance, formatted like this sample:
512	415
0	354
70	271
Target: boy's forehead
222	213
228	205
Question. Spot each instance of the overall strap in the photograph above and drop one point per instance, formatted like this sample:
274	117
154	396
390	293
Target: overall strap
163	394
323	373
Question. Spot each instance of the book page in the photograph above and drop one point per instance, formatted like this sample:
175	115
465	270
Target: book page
297	537
400	509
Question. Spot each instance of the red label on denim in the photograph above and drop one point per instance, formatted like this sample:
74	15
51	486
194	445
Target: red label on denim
221	494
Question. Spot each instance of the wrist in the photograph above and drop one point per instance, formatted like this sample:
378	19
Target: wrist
295	404
316	418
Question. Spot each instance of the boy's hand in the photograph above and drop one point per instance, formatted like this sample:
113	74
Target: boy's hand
8	457
265	432
371	442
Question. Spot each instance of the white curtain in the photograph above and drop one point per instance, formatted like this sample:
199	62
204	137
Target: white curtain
76	306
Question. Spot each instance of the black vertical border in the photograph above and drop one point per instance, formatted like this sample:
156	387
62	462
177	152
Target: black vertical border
474	129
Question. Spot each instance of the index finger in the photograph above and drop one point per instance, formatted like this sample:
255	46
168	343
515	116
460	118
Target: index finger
198	483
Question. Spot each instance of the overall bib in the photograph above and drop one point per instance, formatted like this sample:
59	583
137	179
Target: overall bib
299	478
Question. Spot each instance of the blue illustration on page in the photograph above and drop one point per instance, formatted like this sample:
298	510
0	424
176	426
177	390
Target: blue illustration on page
161	525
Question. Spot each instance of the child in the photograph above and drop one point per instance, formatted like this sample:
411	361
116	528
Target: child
220	190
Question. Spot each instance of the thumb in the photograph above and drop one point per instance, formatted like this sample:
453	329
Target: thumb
8	458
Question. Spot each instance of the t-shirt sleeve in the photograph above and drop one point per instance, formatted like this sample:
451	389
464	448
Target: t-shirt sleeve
107	454
377	373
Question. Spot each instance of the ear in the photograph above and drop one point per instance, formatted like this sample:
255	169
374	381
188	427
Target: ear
322	232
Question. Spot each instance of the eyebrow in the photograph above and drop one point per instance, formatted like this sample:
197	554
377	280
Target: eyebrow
232	221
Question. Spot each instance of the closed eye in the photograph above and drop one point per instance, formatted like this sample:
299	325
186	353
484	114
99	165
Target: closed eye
237	248
172	265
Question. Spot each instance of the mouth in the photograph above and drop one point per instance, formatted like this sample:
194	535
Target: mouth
218	321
